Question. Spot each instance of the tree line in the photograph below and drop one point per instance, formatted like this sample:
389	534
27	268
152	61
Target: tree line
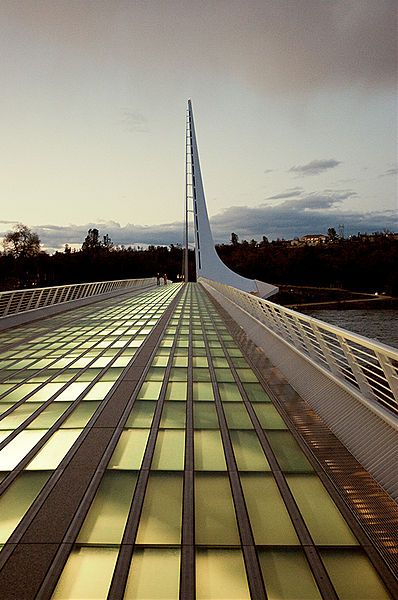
358	263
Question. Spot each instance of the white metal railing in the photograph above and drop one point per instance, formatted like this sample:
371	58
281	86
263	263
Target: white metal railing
369	366
17	301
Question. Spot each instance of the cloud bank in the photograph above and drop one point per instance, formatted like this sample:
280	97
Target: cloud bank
315	167
295	216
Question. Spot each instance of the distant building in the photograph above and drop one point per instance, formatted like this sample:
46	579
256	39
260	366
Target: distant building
313	239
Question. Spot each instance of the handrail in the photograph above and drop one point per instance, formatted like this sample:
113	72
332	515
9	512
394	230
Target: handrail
368	366
17	301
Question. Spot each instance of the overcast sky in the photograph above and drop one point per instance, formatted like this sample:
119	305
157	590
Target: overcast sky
295	103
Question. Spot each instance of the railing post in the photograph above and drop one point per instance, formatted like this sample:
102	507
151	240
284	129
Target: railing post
390	372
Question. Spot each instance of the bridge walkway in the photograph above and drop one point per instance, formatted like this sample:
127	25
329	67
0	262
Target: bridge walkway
149	450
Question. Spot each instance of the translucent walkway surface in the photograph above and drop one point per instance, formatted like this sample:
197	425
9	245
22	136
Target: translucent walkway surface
142	456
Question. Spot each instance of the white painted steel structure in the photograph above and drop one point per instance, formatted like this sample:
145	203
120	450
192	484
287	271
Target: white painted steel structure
349	380
208	263
18	301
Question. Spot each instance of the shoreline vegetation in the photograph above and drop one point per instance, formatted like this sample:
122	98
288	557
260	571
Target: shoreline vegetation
359	272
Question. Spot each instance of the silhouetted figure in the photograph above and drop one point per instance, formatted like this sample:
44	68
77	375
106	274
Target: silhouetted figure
157	278
165	279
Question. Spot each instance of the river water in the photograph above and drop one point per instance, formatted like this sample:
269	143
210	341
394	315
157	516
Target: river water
381	325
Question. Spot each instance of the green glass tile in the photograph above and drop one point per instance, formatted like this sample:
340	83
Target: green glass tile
17	498
19	393
269	518
160	361
49	415
353	575
220	362
106	519
287	575
201	375
173	415
237	416
178	374
208	450
229	392
256	393
235	353
215	521
160	521
54	450
246	376
18	448
224	375
268	416
221	575
130	449
203	390
150	390
288	453
81	415
248	452
141	414
176	390
141	584
18	415
321	515
169	450
180	361
205	415
155	374
87	574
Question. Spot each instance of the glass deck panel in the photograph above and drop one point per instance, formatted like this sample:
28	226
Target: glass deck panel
215	521
220	575
154	574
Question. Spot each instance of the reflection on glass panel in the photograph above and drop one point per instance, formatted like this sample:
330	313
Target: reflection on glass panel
49	415
205	415
176	390
220	575
130	449
201	375
54	450
229	392
178	374
269	518
180	361
106	519
203	390
156	374
72	391
4	407
169	450
256	393
99	390
87	574
353	575
237	416
287	575
320	513
200	361
18	416
18	448
246	376
150	390
154	574
288	452
81	415
45	393
173	415
235	353
209	452
160	521
160	361
17	498
141	414
268	416
215	521
224	375
248	451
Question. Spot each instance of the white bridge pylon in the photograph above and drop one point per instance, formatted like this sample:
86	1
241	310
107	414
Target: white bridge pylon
208	263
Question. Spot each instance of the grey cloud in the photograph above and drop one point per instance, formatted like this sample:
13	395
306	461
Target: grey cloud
315	167
134	121
392	171
288	194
